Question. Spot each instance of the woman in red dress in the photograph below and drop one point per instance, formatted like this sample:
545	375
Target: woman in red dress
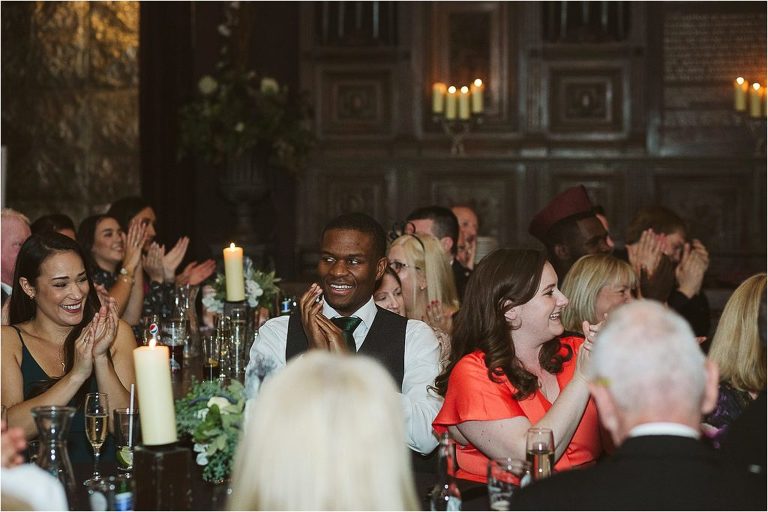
510	369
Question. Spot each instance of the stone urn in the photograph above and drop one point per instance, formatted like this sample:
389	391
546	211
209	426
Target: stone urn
245	184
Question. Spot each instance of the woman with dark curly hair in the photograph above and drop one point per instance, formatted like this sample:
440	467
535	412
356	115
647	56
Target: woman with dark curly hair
510	370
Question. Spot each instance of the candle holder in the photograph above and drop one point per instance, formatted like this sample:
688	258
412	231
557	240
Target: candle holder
231	306
457	130
755	127
163	474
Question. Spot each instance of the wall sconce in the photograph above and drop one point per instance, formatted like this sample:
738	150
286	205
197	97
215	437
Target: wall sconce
457	110
750	107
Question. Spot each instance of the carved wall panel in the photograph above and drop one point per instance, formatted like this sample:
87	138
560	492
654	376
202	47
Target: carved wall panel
489	195
70	105
586	100
356	103
715	207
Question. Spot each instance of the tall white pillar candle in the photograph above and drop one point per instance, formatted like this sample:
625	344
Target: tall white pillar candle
451	103
153	382
476	90
464	103
233	272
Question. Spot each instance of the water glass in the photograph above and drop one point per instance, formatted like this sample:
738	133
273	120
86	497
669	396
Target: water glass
504	477
127	435
175	337
540	452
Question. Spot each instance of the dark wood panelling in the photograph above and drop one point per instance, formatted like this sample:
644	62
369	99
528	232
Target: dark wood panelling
586	101
356	103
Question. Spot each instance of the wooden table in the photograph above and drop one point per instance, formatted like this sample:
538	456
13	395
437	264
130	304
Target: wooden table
206	496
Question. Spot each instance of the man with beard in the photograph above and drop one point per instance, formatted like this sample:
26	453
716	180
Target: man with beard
569	229
338	314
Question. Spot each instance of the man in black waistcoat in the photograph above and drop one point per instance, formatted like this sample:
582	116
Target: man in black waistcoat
651	384
352	259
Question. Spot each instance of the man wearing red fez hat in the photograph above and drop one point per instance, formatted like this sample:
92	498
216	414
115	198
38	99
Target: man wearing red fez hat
569	229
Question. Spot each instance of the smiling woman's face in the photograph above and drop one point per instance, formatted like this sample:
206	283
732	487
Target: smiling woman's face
61	289
389	295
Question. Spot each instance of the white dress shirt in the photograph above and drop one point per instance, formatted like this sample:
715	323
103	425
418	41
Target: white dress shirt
421	365
663	429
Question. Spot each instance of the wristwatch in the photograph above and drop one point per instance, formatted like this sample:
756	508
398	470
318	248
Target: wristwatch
124	274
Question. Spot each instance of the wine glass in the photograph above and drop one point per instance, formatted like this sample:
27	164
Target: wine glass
96	427
540	452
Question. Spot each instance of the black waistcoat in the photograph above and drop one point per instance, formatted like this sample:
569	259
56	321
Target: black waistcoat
384	342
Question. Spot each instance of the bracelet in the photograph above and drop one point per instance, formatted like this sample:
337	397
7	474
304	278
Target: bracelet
128	279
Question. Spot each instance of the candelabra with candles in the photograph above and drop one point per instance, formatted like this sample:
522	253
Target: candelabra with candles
457	110
750	110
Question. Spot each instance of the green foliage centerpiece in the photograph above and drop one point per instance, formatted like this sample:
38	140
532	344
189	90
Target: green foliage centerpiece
212	415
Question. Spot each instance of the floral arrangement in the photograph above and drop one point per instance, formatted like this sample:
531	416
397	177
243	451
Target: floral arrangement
234	111
212	415
260	289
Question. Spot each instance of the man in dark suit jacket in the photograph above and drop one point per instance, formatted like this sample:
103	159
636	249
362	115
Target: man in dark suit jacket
651	384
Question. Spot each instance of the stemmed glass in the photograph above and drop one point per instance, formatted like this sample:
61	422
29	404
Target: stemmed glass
96	423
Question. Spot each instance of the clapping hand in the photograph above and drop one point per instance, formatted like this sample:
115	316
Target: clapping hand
13	442
437	318
104	328
153	262
590	331
333	334
173	257
195	273
690	271
645	255
310	306
134	241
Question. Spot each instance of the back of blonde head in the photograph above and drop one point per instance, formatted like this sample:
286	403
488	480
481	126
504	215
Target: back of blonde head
584	281
326	433
736	347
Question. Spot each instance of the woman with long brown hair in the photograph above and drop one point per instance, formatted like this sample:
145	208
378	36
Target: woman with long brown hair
510	369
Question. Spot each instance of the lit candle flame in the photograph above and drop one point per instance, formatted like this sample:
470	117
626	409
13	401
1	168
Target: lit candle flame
152	342
232	246
479	83
452	89
464	90
756	86
740	80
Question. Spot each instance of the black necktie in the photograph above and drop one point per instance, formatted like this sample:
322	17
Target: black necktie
347	324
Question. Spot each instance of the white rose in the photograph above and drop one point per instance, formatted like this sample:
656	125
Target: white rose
202	413
224	30
207	85
220	402
269	85
201	458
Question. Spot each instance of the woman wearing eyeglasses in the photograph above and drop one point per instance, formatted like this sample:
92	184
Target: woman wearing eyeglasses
427	283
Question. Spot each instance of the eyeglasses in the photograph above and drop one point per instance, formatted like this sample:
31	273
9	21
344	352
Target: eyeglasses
397	266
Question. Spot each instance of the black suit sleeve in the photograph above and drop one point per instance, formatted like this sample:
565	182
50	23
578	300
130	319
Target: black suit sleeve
695	310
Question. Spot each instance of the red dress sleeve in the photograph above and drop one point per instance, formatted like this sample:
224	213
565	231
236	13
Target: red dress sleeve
473	396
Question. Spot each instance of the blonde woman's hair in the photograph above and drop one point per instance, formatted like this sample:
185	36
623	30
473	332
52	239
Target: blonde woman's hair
326	433
424	253
736	347
585	279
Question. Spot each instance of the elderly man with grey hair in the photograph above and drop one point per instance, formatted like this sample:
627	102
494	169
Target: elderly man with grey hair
651	384
14	230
